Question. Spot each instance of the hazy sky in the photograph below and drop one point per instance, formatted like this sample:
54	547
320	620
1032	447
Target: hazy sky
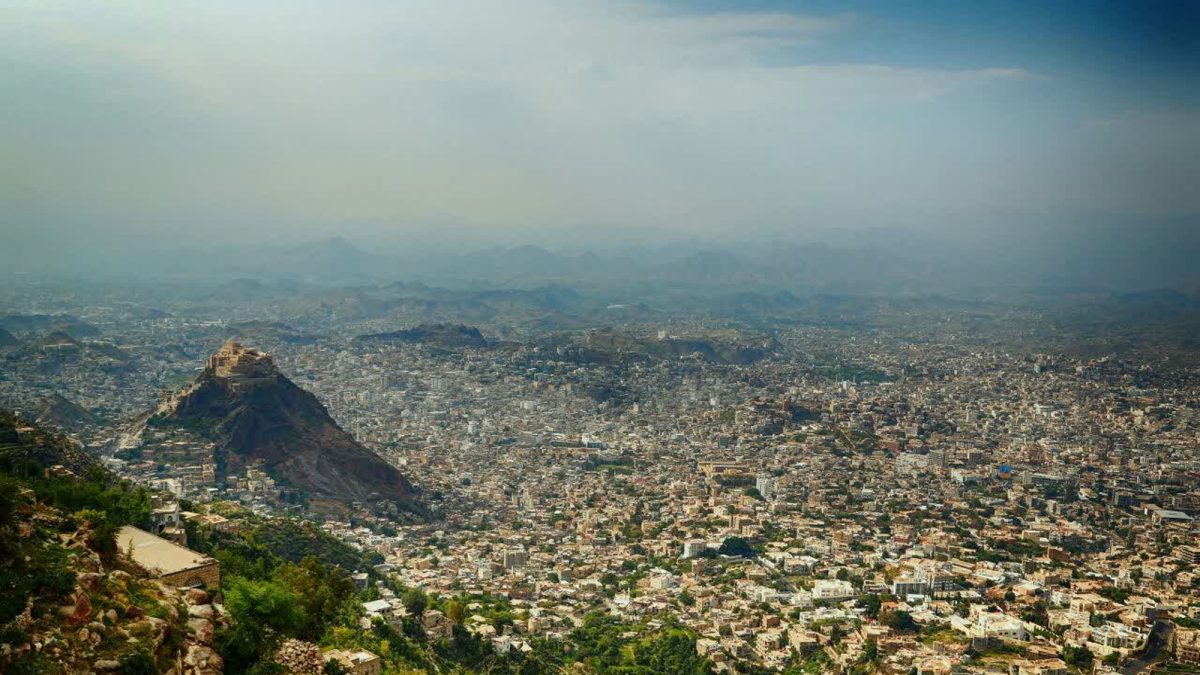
260	118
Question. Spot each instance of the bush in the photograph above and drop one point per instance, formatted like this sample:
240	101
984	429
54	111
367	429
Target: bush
138	663
415	601
736	546
41	572
1080	657
262	612
899	621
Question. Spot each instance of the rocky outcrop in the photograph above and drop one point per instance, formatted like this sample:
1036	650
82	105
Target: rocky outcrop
300	658
254	414
115	620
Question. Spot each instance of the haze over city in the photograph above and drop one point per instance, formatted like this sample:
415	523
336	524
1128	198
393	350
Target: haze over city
602	338
583	125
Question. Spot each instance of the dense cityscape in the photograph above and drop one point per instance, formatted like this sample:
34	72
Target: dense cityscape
635	337
813	498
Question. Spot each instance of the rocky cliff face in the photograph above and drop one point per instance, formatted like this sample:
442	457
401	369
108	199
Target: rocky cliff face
254	413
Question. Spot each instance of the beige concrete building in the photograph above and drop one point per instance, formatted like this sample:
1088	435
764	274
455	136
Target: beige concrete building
358	662
174	564
1185	645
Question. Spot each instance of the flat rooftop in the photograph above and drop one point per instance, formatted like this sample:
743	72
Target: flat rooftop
157	554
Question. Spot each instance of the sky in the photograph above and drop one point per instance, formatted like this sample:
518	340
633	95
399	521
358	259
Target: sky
265	121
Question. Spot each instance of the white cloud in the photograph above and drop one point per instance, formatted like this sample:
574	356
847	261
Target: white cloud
539	112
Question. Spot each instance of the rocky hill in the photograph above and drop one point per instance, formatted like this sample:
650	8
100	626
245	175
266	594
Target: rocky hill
33	323
439	335
58	411
25	443
57	340
253	413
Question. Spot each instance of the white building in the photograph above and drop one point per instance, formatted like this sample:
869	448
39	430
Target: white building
832	590
694	548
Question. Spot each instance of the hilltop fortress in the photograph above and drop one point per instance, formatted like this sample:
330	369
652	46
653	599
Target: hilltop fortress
233	360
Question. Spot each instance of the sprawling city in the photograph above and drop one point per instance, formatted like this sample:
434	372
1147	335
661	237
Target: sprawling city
645	337
898	493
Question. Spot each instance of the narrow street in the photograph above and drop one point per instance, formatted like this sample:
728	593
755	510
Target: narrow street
1159	638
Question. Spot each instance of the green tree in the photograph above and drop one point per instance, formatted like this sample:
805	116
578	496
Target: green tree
1080	657
870	651
871	604
455	611
1037	613
334	667
900	621
10	498
736	546
673	651
598	641
261	613
415	601
323	592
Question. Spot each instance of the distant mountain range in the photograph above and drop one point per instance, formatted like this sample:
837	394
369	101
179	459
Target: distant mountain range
989	253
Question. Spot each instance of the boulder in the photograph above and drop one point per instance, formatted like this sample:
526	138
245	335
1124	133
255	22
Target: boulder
134	612
201	611
106	664
88	579
80	610
89	563
202	628
196	596
200	656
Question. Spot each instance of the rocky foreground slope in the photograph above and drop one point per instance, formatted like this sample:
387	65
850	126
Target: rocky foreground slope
70	602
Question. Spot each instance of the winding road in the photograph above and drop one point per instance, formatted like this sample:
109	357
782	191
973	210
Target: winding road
1160	636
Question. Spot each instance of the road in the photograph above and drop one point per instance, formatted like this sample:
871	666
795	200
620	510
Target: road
1159	637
